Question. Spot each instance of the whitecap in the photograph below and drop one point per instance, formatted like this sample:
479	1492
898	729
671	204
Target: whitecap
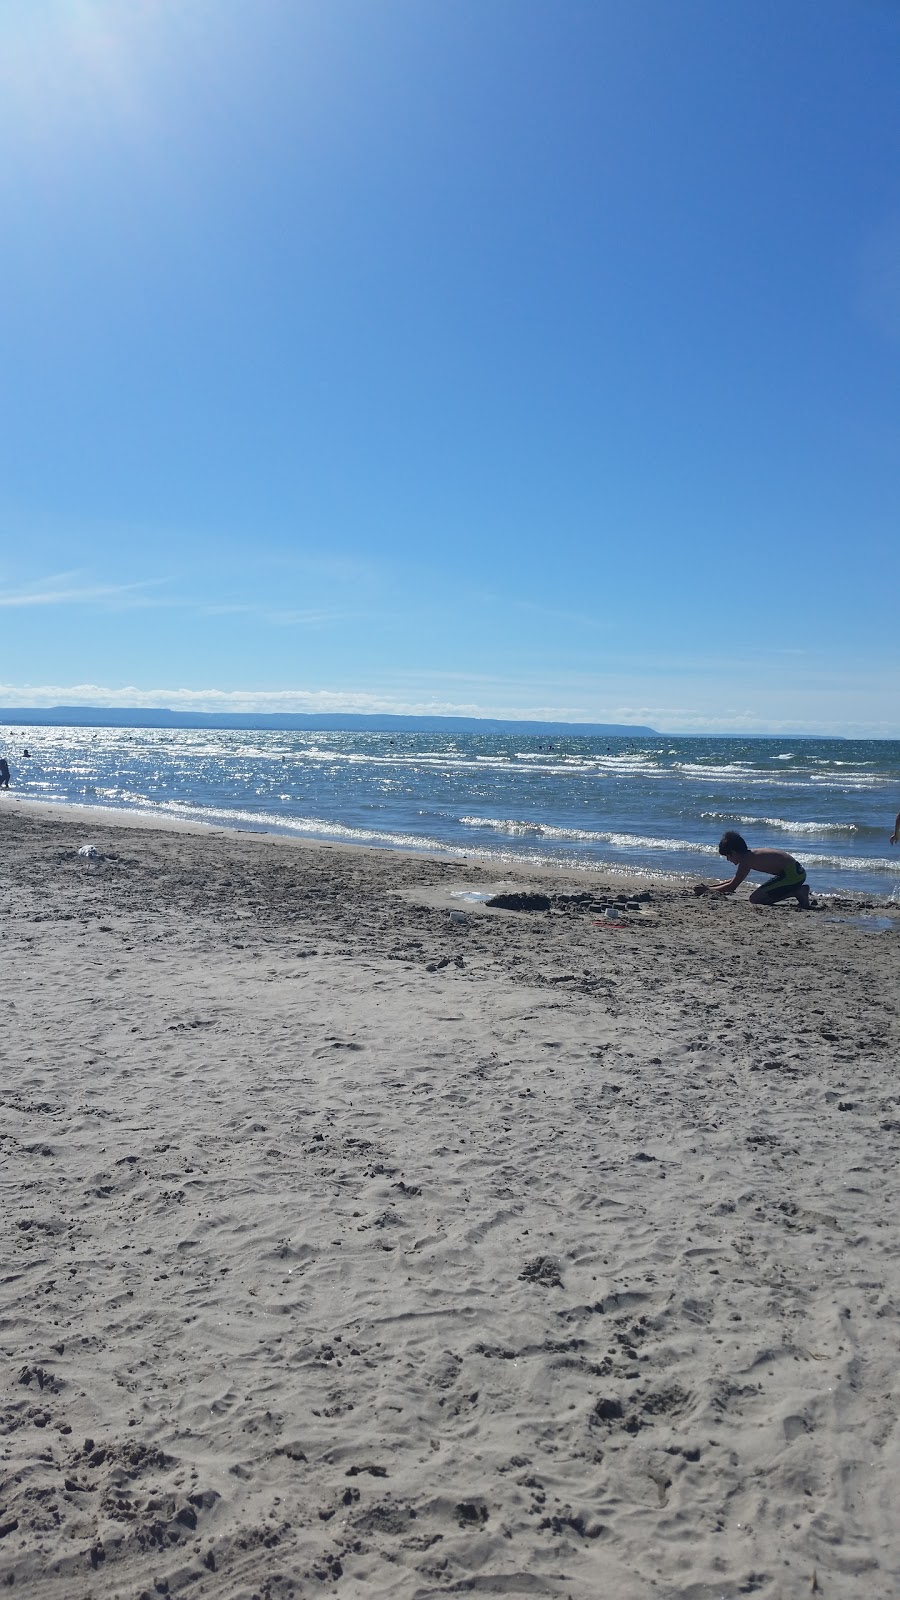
781	822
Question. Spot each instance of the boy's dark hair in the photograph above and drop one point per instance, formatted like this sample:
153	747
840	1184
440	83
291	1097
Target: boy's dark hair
731	844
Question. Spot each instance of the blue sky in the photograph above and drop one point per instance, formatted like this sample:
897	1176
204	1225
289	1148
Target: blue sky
519	356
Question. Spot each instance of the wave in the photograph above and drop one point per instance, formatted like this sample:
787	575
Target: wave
885	864
703	769
434	760
782	822
648	844
320	826
852	780
546	830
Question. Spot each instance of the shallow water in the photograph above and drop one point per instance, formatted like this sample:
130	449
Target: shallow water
870	924
657	804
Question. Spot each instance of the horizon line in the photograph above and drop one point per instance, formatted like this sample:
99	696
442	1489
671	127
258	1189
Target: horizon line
365	721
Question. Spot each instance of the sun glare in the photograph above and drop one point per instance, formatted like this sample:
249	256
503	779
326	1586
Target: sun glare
88	67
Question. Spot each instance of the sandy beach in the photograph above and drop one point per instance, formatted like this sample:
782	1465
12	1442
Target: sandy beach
352	1249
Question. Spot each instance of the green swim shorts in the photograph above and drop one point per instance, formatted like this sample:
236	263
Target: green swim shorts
786	884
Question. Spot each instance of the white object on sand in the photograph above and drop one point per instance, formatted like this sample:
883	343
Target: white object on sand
89	850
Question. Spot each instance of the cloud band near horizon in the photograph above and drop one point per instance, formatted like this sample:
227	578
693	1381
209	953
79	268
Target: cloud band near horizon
674	720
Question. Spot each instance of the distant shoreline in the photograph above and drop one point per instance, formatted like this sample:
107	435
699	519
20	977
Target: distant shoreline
334	722
352	722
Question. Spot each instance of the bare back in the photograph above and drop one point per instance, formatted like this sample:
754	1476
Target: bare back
772	861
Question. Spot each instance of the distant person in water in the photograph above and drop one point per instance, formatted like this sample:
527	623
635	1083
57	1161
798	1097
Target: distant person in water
4	773
895	836
787	883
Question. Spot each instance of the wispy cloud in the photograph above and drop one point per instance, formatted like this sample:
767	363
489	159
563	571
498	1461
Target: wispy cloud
54	594
65	589
279	618
576	619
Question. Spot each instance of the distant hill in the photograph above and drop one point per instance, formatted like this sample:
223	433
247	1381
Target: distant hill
335	722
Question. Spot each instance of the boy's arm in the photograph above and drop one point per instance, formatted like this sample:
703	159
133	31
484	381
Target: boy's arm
895	836
731	885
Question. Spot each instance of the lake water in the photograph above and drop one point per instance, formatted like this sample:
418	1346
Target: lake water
655	804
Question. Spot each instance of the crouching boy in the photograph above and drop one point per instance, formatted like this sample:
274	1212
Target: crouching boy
788	882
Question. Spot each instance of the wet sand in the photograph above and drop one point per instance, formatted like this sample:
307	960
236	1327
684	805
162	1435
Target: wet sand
353	1250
